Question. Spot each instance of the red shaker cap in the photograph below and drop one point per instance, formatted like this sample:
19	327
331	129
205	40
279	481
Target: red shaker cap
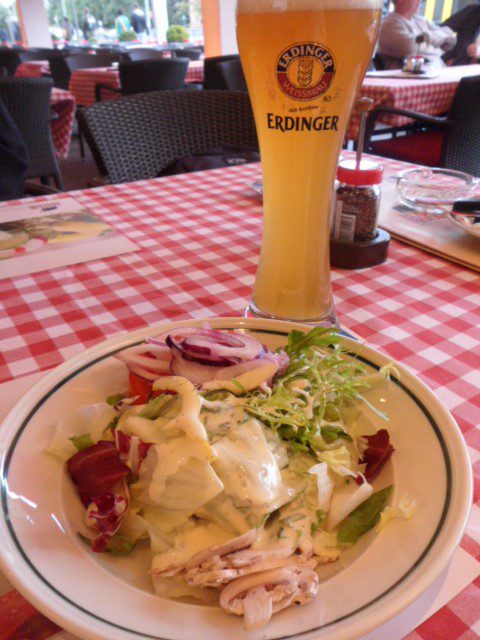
368	173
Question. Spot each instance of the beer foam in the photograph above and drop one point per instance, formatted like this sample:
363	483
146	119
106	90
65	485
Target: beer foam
267	6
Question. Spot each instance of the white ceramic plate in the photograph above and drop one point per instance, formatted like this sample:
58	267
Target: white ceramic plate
98	597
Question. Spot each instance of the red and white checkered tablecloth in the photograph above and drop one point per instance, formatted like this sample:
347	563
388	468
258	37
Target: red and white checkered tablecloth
433	96
199	238
32	69
63	104
83	82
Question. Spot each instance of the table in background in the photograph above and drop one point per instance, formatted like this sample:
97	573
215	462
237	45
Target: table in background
83	81
432	96
199	239
33	69
63	104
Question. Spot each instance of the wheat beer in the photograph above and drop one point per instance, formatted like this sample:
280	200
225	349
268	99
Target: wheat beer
304	61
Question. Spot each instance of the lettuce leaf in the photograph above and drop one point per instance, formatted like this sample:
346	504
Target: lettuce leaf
364	517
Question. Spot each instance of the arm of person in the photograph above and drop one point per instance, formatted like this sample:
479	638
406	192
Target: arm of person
442	37
396	38
473	50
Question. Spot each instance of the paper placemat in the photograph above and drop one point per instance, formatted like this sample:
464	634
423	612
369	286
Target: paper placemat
54	233
433	233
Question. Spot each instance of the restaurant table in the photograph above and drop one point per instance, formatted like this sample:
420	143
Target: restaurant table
83	82
431	96
63	104
33	69
199	239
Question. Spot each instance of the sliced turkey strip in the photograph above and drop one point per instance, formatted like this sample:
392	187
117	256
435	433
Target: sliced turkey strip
241	542
259	595
209	553
226	569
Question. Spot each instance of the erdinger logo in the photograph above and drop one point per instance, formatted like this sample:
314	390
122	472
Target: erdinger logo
305	70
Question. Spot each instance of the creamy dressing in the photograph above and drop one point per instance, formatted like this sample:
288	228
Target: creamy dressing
245	381
248	468
177	475
188	543
220	416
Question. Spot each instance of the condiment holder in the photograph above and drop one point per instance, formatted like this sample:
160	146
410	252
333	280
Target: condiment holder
356	242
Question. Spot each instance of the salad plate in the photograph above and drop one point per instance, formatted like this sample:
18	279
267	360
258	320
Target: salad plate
100	596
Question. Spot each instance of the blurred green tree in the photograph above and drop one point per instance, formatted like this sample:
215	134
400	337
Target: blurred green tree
178	12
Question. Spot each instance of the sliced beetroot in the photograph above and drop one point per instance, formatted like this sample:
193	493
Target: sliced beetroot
376	454
96	470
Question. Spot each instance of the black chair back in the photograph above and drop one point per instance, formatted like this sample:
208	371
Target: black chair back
27	56
187	52
139	136
461	147
9	59
211	75
28	102
133	55
232	74
144	76
91	60
60	72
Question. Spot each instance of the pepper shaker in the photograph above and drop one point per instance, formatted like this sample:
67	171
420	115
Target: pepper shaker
356	241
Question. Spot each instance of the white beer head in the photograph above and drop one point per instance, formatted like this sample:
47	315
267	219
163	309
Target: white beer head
263	6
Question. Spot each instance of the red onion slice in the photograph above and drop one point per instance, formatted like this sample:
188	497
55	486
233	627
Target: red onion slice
196	373
203	342
146	374
200	355
205	357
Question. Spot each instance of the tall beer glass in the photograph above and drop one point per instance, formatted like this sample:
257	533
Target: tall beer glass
304	61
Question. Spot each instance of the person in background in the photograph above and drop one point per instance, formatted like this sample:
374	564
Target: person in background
88	23
466	24
404	33
67	28
122	23
17	34
13	157
139	22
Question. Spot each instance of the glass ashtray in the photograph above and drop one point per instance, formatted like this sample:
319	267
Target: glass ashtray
468	223
434	190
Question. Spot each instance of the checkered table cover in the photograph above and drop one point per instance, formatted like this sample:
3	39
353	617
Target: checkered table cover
63	104
199	238
83	81
433	96
32	69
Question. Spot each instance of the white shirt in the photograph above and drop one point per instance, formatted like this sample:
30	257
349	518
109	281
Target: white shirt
398	34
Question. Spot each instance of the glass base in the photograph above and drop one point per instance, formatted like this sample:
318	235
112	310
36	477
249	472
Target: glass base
328	320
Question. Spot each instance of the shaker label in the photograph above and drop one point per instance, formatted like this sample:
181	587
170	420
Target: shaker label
305	70
344	227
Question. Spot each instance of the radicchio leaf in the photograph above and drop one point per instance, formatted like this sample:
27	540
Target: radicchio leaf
376	454
96	470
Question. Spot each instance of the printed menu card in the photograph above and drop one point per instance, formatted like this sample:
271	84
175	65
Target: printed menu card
54	233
